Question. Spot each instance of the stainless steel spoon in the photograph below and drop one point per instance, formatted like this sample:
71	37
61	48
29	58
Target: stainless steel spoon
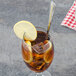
52	8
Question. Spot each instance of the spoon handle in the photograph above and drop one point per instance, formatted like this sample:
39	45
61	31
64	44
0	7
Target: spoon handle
52	7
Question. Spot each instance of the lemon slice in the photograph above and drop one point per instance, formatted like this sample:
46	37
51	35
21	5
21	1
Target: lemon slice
26	27
28	43
27	52
47	54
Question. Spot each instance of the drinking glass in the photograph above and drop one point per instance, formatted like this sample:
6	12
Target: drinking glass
41	55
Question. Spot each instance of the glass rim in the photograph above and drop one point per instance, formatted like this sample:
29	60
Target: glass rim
37	30
41	28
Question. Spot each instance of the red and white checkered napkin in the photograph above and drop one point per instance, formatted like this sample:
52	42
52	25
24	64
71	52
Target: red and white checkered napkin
69	20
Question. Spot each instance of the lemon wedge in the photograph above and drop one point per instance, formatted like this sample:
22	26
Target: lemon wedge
27	52
25	28
47	54
28	43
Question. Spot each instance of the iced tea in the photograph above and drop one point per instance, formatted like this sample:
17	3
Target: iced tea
41	56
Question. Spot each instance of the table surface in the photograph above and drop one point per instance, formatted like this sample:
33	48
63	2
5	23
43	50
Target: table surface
37	12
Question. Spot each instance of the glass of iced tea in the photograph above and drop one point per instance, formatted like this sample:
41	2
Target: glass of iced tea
38	54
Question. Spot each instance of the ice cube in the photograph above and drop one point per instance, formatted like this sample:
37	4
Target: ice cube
39	48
